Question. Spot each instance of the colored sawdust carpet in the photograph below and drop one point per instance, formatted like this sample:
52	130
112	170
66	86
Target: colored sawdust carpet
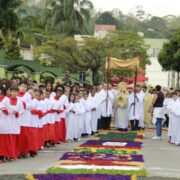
120	136
80	177
109	156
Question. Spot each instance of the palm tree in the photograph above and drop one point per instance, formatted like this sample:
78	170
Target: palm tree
31	21
8	17
68	16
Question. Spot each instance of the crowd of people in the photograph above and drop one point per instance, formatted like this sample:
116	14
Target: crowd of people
144	107
34	116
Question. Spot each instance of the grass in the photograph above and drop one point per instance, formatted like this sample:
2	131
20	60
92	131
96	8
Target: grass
13	177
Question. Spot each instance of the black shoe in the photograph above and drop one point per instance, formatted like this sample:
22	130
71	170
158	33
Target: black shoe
11	159
32	154
47	145
24	156
53	145
2	159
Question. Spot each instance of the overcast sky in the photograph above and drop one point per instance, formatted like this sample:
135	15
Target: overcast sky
154	7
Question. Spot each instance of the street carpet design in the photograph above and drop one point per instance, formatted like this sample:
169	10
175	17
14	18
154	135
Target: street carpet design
111	155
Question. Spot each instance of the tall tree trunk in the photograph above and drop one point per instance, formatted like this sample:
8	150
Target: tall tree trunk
172	79
169	74
5	34
177	85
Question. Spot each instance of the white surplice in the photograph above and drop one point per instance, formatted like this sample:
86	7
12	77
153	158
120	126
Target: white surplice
25	119
174	129
79	110
140	96
12	120
106	98
87	121
71	122
94	113
4	125
134	111
82	117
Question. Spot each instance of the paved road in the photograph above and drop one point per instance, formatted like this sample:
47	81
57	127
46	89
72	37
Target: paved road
161	158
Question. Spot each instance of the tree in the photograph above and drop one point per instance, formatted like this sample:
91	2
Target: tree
127	44
138	13
157	27
60	51
132	23
74	56
8	17
119	44
169	56
71	56
93	56
1	43
68	16
12	49
106	18
90	53
31	22
29	26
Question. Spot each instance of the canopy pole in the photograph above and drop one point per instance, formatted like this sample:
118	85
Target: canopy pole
107	81
135	83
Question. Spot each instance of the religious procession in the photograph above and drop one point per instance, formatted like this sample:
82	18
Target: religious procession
34	116
89	90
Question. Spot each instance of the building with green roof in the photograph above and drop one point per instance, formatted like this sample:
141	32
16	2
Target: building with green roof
33	68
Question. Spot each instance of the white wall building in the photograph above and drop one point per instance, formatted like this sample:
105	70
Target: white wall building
155	72
27	53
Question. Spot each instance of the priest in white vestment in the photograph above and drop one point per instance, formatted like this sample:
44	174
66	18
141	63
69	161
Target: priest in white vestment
120	105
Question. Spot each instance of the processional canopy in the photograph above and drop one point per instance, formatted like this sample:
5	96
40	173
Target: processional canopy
113	63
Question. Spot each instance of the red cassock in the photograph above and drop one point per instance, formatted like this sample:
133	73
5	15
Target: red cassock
38	138
51	133
24	137
23	140
9	146
62	130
